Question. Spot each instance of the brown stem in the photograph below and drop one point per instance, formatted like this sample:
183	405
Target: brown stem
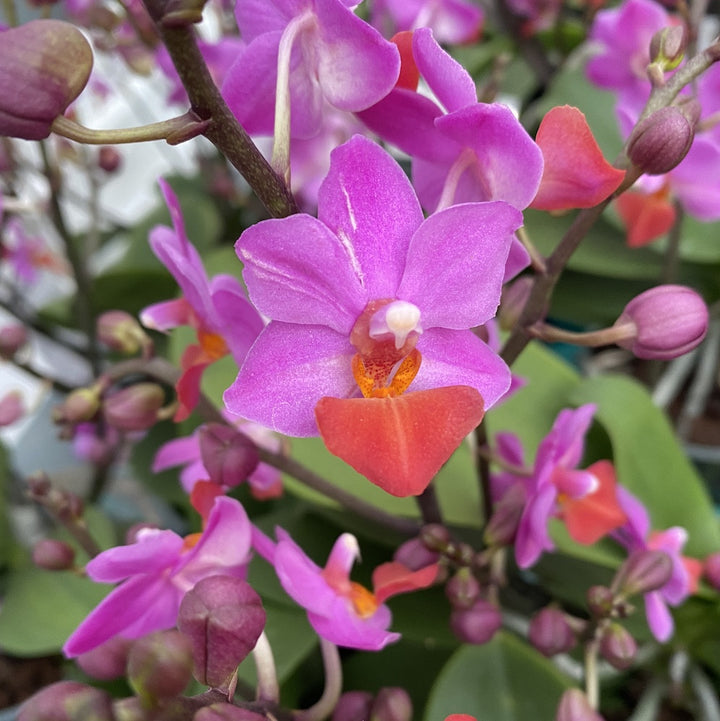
429	507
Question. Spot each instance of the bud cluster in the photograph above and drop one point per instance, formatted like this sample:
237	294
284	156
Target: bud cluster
389	704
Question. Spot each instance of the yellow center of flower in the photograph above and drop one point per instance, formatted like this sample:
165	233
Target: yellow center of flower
213	344
363	601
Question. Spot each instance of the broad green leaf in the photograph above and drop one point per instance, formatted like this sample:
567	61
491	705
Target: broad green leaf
131	289
42	608
649	460
504	680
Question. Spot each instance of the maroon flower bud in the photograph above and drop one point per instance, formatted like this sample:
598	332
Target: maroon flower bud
121	332
53	555
642	572
477	624
663	139
227	712
463	589
711	570
664	322
435	537
414	554
601	601
107	661
134	408
12	339
228	455
223	617
667	47
131	709
67	701
550	632
391	704
353	706
574	706
160	666
109	158
44	65
618	647
12	408
80	406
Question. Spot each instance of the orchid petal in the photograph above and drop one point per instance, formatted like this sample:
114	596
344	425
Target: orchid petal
176	452
167	315
658	616
532	535
343	627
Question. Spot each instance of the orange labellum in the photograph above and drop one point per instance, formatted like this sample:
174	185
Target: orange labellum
647	216
399	443
409	73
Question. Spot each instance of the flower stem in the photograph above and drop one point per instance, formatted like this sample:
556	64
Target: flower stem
333	686
268	689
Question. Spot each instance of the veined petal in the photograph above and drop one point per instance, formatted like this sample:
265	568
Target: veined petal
356	65
459	357
369	203
297	271
288	369
449	81
256	17
456	264
153	552
696	181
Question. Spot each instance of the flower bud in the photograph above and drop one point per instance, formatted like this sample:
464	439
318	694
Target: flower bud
67	701
134	408
642	572
391	704
463	589
550	632
574	706
667	47
109	158
131	709
228	455
227	712
414	554
11	408
121	332
664	322
107	661
618	647
80	406
53	555
353	706
44	65
513	300
477	624
435	537
12	338
601	601
659	142
223	617
711	570
160	666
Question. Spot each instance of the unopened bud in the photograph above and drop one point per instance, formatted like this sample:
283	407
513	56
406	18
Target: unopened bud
223	617
435	537
67	701
53	555
667	47
463	589
160	665
227	712
12	408
477	624
513	300
12	339
711	570
550	632
134	408
80	406
109	158
121	332
391	704
618	647
642	572
353	706
601	601
414	554
662	140
44	65
664	322
107	661
574	706
228	455
131	709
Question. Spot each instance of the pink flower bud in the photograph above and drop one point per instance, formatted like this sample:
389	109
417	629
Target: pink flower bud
107	661
665	322
574	706
414	554
353	706
160	665
134	408
12	339
67	701
121	332
550	632
463	589
80	406
601	601
227	712
228	455
435	537
477	624
44	65
53	555
663	139
11	408
391	704
667	46
109	158
642	572
131	709
618	647
223	617
711	570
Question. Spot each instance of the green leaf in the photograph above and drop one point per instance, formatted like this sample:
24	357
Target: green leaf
649	460
42	608
504	680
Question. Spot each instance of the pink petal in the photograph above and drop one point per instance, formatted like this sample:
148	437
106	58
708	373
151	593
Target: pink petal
167	315
176	452
343	627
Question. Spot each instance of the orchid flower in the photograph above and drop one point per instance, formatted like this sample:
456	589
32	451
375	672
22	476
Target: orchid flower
157	570
218	309
343	346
